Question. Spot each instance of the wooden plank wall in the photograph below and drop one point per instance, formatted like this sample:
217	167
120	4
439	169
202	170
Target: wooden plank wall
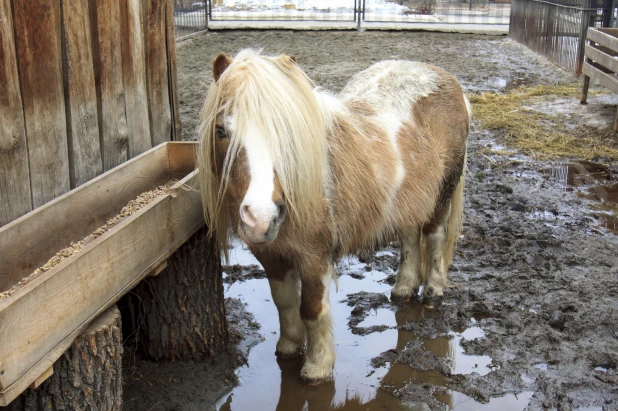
84	86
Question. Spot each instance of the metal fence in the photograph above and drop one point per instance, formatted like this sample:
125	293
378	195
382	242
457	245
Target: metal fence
191	16
283	10
438	11
557	28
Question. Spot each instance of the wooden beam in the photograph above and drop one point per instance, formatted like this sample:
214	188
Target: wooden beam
182	157
40	320
37	383
39	55
27	243
157	270
134	71
14	169
157	73
80	94
606	80
110	82
601	58
603	38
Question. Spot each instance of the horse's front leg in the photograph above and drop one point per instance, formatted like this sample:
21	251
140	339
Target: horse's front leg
315	312
285	289
409	277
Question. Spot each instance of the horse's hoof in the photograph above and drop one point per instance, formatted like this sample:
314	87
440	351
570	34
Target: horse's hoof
285	355
315	381
403	294
314	374
397	299
288	349
433	301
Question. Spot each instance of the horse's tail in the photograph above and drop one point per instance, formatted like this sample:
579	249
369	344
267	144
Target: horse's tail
455	220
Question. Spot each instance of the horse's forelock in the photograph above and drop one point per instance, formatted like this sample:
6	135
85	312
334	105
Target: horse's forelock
274	96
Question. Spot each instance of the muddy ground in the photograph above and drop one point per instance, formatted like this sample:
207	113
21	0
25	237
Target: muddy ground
534	301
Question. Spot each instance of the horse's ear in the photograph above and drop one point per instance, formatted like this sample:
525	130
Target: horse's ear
219	64
293	58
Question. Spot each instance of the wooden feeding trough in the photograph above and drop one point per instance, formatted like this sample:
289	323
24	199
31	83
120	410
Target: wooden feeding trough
601	61
42	313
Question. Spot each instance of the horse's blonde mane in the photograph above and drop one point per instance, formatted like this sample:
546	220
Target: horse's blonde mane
274	96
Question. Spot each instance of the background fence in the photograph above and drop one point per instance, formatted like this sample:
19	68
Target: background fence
84	86
557	28
191	16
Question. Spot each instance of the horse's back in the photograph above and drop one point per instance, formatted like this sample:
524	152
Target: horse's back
425	99
424	119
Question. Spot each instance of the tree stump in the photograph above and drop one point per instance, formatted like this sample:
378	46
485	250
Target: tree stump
181	311
88	376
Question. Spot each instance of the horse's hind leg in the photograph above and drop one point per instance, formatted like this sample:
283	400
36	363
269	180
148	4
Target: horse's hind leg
315	312
285	289
435	239
409	276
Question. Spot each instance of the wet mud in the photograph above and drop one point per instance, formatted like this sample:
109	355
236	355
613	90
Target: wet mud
531	318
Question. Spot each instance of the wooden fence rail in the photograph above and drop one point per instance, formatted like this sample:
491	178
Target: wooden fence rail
84	86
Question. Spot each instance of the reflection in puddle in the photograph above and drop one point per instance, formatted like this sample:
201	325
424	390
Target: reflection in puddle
596	183
268	383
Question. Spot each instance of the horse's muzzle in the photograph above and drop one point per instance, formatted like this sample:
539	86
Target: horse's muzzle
255	231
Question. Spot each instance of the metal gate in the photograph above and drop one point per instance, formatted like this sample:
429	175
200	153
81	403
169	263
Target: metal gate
557	28
191	15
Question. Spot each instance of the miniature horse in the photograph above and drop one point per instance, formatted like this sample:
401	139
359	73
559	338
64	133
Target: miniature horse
305	177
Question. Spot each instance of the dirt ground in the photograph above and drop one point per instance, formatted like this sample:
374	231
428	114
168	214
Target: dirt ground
535	276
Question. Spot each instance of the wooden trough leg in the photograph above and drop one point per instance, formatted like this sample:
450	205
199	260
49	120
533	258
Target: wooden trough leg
181	310
585	90
87	377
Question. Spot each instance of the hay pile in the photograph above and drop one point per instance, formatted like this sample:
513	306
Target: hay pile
537	133
131	208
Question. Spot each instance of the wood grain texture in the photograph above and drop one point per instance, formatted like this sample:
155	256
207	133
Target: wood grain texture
134	71
88	376
49	311
601	58
171	69
605	37
110	83
604	79
80	94
14	169
30	241
39	55
157	72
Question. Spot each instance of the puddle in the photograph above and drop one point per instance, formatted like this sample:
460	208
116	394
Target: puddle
270	383
590	181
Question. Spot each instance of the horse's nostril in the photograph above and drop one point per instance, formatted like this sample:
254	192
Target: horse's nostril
247	216
281	211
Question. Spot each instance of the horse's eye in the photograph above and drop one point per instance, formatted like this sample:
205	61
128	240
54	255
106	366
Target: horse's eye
220	132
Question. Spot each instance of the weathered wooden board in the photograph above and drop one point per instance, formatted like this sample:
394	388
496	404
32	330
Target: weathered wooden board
80	94
156	70
602	58
14	170
110	82
134	71
39	55
604	38
27	243
40	320
606	80
171	70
